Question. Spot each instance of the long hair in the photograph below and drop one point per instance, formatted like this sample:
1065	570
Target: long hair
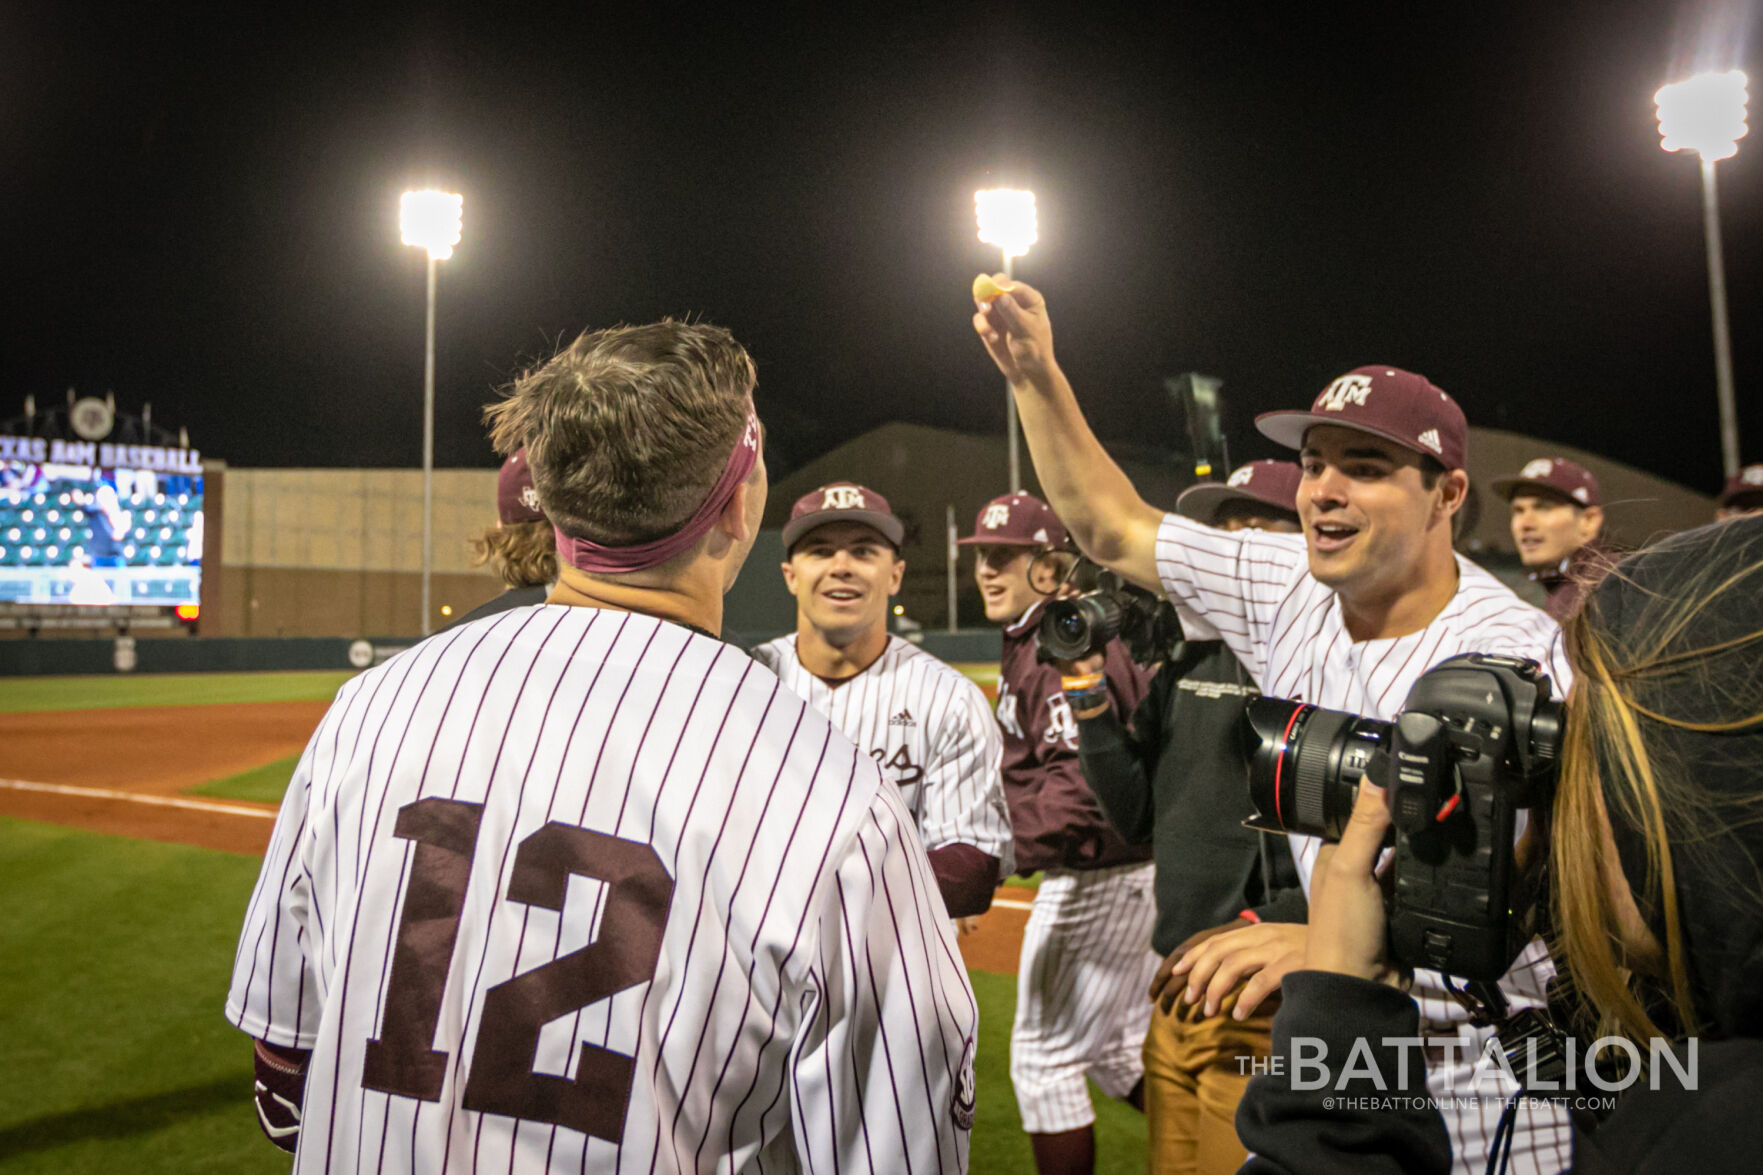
522	554
1661	670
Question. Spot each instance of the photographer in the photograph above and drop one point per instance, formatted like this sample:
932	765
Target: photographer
1348	616
1174	778
1086	951
1656	853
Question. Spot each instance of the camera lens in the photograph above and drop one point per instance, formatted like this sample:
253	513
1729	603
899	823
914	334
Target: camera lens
1305	763
1079	626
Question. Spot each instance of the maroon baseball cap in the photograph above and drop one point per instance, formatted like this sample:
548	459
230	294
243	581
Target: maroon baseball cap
1269	482
1386	402
516	500
1744	489
1016	520
843	501
1553	477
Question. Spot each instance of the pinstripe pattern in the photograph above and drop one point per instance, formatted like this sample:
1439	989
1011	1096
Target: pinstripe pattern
911	708
1080	993
1288	631
808	1010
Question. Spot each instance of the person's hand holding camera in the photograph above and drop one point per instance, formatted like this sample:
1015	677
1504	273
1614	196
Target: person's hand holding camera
1347	921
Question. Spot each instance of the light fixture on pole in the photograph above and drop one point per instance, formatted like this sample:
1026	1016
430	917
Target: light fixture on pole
1706	114
1007	220
429	220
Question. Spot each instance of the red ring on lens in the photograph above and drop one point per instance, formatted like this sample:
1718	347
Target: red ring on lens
1279	763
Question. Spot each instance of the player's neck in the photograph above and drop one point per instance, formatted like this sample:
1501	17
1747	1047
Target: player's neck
693	597
825	659
1404	609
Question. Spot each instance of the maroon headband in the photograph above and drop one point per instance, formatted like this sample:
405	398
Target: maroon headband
587	555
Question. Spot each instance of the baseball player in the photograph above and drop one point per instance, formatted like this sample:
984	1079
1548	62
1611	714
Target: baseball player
1086	951
1743	494
1347	616
927	727
520	548
1557	524
578	887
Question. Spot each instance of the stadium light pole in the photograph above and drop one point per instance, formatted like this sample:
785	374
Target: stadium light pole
1007	220
1706	114
429	220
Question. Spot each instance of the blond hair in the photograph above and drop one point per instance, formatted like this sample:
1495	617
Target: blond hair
522	554
1652	672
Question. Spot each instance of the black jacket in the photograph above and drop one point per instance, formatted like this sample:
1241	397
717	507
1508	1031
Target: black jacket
1363	1130
1177	780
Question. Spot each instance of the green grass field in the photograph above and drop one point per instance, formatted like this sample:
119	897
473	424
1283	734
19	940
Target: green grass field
114	1054
19	694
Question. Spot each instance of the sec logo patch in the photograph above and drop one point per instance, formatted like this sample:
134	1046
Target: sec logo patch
964	1089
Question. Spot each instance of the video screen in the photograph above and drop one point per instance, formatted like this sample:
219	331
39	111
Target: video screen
76	534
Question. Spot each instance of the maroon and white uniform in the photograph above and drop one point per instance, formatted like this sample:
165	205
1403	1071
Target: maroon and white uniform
1287	628
577	890
930	730
1086	962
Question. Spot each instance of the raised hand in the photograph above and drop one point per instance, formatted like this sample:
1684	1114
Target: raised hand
1016	330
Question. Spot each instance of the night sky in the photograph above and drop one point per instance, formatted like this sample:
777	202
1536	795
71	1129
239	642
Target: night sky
201	211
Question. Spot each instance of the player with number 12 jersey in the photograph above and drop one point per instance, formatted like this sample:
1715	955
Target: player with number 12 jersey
579	887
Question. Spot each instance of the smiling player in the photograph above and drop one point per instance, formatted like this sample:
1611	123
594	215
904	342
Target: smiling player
927	727
1346	616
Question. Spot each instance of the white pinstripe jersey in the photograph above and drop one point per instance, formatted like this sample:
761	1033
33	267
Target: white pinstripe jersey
577	890
930	730
1255	588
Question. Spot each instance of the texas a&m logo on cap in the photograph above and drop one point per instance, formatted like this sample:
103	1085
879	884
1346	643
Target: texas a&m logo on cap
843	498
1348	389
529	497
996	515
1241	476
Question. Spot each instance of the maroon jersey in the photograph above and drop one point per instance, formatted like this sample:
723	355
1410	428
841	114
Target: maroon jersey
1057	821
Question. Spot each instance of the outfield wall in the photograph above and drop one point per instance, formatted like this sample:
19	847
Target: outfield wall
338	552
112	655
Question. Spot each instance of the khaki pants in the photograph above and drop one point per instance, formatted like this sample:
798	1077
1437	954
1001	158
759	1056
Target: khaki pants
1196	1068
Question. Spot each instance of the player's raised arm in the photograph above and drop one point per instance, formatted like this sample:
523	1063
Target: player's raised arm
1089	492
882	1072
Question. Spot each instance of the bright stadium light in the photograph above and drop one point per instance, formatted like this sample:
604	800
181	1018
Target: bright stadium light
429	220
1007	221
1706	114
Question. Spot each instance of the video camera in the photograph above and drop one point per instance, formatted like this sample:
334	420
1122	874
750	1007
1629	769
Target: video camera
1106	607
1476	742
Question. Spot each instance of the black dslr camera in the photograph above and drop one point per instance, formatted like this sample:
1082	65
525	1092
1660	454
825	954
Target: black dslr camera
1476	741
1106	607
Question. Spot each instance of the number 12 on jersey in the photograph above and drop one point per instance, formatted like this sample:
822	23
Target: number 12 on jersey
500	1077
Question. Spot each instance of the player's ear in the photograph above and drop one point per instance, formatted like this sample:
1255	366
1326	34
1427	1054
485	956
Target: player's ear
1453	490
789	576
736	519
899	574
1591	523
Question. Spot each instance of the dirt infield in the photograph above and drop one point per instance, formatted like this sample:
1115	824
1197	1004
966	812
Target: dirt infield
122	771
157	749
